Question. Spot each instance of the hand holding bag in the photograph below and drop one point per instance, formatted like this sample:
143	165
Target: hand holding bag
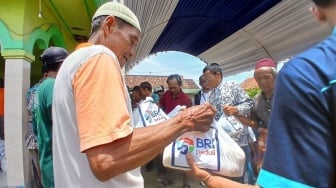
213	150
231	125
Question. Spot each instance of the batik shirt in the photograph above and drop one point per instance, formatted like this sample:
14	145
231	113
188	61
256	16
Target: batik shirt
230	93
31	138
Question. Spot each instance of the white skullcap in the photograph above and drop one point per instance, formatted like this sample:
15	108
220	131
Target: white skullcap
119	10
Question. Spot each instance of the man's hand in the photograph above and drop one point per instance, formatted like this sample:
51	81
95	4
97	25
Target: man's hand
199	117
230	110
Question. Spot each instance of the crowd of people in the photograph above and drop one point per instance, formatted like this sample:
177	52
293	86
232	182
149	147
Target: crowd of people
82	131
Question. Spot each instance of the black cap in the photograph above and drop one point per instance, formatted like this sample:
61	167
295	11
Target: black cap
53	55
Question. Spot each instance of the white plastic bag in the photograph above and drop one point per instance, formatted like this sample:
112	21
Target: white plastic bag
213	150
231	125
148	113
175	111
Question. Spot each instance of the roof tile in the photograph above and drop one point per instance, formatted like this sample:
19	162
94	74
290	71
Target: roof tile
133	80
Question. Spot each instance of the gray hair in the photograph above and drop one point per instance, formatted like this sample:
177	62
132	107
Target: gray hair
97	22
213	68
274	71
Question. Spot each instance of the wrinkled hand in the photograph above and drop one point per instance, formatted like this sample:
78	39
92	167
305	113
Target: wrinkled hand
230	110
199	117
195	170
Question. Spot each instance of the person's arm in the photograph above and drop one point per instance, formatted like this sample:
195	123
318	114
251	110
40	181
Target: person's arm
247	121
134	150
105	127
213	181
241	105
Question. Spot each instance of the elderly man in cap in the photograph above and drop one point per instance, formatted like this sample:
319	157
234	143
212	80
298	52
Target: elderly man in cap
94	142
265	74
52	59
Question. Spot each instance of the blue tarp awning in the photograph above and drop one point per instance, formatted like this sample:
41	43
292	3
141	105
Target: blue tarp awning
234	34
197	25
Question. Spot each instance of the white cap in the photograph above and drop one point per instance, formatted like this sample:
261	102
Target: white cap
119	10
158	88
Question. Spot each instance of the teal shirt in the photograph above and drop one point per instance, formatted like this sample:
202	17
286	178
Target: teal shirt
43	124
156	97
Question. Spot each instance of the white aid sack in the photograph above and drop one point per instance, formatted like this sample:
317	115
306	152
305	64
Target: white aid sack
148	113
176	111
213	150
231	125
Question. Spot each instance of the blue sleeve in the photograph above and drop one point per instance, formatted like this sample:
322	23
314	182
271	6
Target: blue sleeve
301	146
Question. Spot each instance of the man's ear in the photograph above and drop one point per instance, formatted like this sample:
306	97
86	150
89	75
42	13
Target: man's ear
110	23
316	12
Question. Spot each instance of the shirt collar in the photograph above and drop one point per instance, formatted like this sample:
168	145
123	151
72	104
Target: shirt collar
82	45
221	84
177	96
264	96
203	93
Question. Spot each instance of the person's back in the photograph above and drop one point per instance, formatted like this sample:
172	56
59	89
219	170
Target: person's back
52	59
312	116
43	121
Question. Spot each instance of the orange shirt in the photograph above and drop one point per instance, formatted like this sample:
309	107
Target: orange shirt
2	103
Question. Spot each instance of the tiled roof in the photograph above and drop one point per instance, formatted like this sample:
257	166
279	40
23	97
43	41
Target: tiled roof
249	83
133	80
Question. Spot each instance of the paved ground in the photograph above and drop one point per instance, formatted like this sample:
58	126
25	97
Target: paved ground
3	179
150	180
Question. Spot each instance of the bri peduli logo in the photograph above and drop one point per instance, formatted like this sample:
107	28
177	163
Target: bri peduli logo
185	145
153	115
